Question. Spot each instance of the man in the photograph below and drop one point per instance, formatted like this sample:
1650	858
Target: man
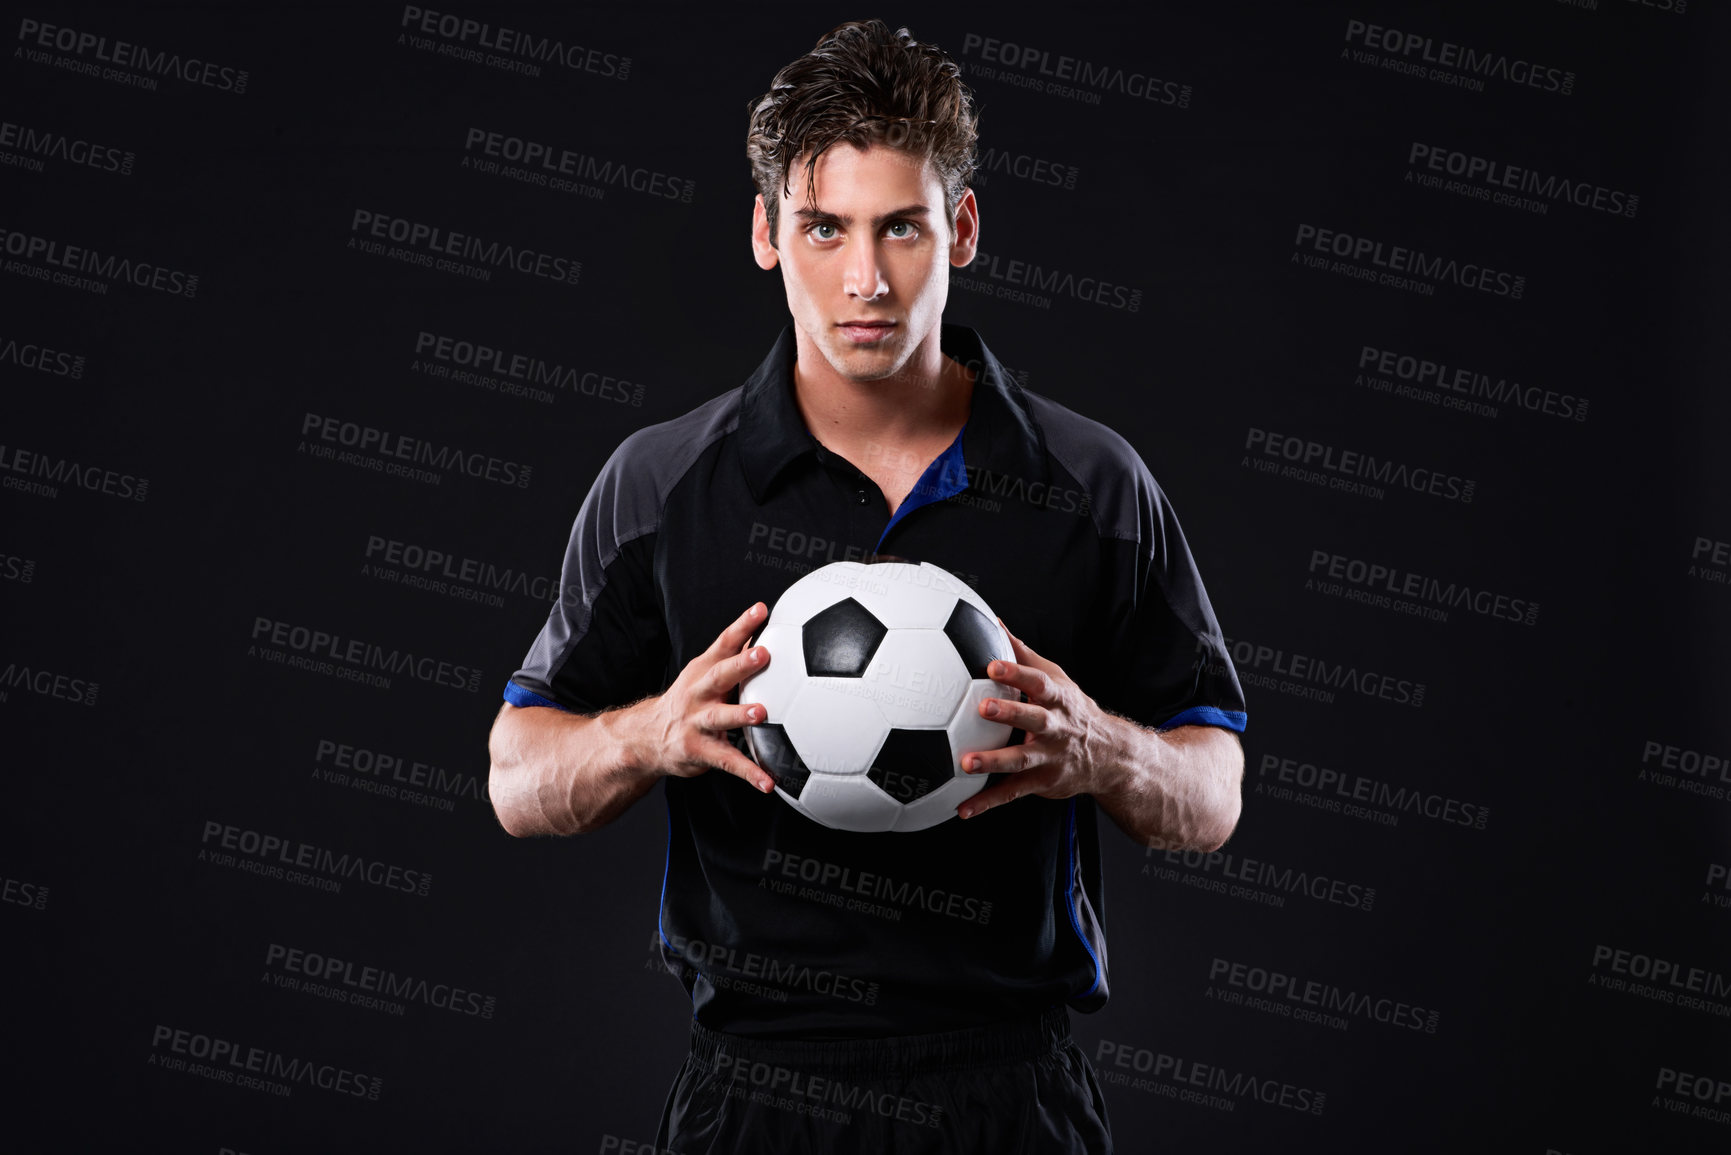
878	992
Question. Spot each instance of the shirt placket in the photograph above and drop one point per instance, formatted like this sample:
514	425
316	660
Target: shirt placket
857	492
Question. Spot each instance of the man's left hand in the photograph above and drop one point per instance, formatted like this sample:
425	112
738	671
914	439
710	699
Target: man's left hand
1070	743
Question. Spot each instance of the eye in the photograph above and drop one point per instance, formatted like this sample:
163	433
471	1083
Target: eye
912	229
816	231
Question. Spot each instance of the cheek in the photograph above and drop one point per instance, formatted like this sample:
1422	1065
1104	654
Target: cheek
926	279
802	279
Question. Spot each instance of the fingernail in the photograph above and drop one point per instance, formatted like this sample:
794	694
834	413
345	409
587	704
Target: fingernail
757	654
997	670
991	709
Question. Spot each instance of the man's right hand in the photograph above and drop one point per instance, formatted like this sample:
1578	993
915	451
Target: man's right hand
688	723
554	772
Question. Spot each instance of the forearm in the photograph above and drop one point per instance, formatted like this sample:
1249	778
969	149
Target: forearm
559	773
1176	789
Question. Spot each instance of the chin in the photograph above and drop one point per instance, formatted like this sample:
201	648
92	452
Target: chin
849	359
874	367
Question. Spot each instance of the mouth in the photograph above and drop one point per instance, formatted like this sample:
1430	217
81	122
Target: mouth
866	332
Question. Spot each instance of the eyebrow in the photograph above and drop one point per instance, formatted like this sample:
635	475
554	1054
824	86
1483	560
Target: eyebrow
819	215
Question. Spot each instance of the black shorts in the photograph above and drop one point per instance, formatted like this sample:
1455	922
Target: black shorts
1017	1088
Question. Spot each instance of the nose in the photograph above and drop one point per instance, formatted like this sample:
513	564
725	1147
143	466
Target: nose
864	276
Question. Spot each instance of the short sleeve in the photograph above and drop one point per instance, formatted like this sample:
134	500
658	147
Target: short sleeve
605	642
1166	660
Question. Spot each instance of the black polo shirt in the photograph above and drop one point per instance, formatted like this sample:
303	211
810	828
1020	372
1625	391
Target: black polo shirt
777	925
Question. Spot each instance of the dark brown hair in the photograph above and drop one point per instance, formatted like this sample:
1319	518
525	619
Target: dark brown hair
865	85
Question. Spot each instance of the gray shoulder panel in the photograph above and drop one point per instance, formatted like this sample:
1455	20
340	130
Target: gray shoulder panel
633	485
1116	479
624	504
1128	505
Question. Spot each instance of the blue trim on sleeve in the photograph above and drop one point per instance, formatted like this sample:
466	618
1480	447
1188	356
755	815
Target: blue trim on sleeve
1070	892
518	696
1207	716
946	476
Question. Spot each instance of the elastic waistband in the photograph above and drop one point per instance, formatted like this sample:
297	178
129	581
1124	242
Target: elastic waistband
1013	1040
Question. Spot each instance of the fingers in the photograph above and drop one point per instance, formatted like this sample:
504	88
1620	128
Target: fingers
724	757
1022	715
1034	683
728	665
734	637
1006	760
728	716
729	672
704	716
994	795
1025	654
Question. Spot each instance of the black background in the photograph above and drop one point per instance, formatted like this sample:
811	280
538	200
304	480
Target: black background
114	927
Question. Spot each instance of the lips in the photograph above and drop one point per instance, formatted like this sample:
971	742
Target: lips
866	332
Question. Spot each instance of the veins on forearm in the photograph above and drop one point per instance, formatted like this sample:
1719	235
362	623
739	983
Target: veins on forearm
1166	793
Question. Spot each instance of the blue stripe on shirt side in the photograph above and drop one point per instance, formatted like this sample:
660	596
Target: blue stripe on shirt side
666	866
1070	893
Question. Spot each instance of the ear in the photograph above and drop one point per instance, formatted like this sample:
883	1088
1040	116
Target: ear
761	250
966	229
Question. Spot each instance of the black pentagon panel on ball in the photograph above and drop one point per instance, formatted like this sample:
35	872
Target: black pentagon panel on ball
975	637
913	763
839	641
771	749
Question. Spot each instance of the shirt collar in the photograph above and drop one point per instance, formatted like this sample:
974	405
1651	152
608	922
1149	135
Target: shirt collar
1001	434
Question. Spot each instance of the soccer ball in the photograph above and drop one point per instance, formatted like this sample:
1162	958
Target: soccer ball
872	694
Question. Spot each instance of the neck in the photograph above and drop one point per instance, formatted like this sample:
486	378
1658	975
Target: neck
927	398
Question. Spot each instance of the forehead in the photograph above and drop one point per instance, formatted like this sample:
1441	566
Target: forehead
848	175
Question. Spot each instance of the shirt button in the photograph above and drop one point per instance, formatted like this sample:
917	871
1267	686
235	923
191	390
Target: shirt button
863	497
